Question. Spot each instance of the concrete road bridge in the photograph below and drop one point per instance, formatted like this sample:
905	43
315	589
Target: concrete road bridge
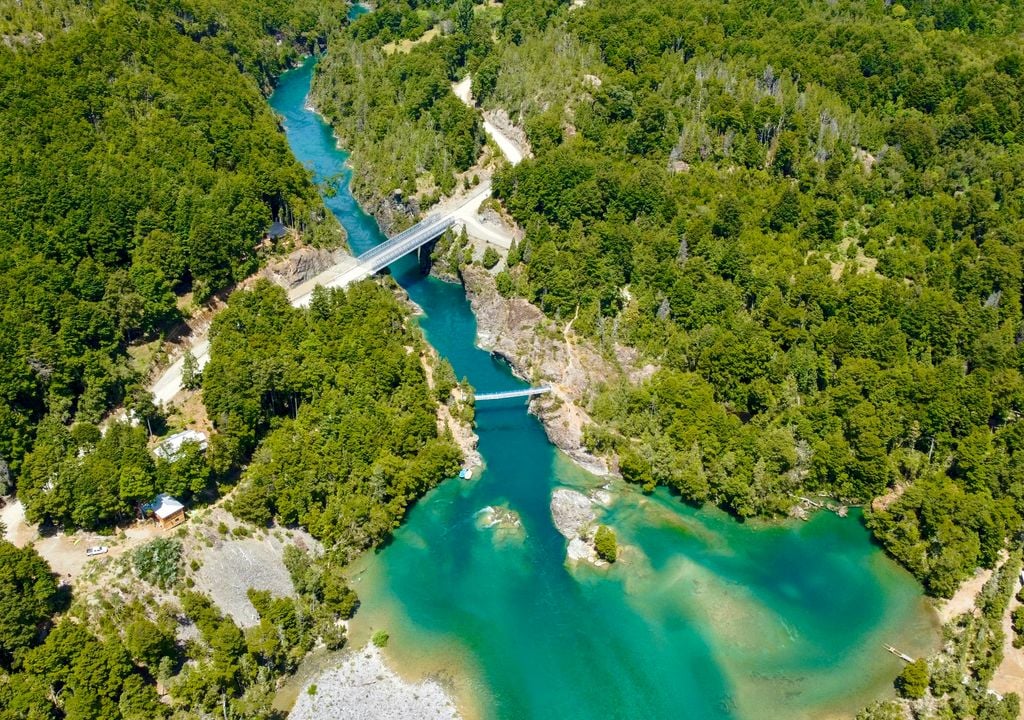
460	212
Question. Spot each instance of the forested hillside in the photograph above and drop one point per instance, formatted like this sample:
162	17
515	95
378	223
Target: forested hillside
137	163
394	110
341	395
334	401
811	215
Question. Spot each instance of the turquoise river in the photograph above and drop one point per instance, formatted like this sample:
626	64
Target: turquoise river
703	618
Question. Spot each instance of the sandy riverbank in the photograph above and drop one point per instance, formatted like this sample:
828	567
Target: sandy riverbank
363	687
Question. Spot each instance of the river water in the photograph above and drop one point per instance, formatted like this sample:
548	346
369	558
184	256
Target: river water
703	618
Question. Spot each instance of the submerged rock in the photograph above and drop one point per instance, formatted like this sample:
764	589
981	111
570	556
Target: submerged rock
498	517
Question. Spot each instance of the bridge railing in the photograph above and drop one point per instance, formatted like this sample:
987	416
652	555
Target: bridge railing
405	242
507	394
379	257
399	238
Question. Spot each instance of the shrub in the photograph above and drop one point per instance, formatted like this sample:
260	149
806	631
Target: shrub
913	681
158	562
605	543
380	638
491	257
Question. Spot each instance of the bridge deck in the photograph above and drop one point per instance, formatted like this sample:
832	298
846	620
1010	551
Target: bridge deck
377	258
528	392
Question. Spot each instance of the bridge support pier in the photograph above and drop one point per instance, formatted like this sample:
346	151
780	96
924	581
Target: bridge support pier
423	254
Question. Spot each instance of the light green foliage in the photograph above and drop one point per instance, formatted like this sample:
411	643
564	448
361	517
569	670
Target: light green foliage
147	642
490	258
191	377
1017	619
882	711
77	478
396	112
444	379
96	678
138	163
355	439
380	638
605	543
973	649
158	561
187	475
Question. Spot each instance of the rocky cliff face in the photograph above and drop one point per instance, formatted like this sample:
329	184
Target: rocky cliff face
542	353
302	265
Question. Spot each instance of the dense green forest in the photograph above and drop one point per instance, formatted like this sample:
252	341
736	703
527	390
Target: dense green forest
395	111
108	660
811	215
138	163
331	409
340	392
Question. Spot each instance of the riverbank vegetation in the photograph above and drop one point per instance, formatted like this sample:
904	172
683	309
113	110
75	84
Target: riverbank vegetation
395	112
954	682
329	411
340	394
141	164
810	217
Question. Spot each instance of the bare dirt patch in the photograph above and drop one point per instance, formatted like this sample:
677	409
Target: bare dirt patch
1009	676
963	600
232	564
17	530
65	552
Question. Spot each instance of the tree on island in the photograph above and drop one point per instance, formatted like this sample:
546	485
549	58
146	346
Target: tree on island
605	543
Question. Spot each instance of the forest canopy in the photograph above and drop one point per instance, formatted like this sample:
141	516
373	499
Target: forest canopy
137	163
338	394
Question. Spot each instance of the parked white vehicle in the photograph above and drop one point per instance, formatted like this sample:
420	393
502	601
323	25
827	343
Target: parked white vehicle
96	550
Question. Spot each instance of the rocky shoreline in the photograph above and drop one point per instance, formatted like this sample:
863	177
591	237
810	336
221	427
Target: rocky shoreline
575	518
542	353
364	687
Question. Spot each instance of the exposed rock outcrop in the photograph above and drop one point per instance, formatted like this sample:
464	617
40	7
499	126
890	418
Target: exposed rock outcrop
574	517
301	266
542	353
500	119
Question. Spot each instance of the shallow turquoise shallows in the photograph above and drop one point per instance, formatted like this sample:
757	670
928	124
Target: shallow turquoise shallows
703	617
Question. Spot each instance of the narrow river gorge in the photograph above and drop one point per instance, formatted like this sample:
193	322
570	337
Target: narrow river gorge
703	617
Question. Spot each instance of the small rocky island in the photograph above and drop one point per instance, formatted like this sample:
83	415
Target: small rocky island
575	517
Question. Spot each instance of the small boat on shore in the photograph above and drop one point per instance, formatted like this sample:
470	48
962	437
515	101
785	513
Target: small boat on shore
466	474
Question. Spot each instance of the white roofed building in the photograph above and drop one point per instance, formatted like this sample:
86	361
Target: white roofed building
170	448
166	510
